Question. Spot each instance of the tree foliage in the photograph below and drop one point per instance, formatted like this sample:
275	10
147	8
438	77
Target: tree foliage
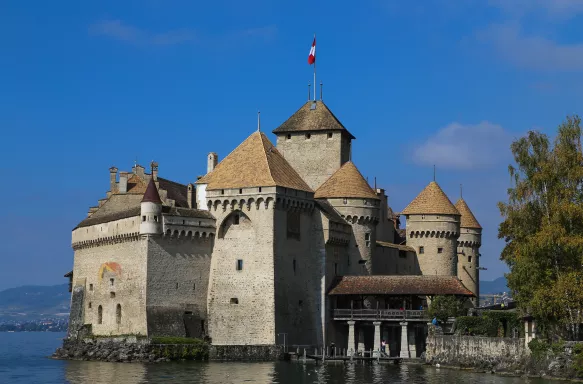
543	228
443	307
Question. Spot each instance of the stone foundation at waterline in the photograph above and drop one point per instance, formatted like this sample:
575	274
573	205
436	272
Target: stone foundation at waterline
246	352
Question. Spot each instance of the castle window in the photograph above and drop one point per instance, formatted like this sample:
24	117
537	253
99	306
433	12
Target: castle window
329	135
308	136
294	266
469	259
239	265
156	219
240	190
100	315
143	218
222	191
118	314
439	250
422	216
293	225
259	189
176	285
111	282
193	286
91	287
234	300
89	305
236	220
345	200
112	295
288	136
367	236
421	250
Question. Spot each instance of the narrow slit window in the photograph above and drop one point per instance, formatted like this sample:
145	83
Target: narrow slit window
421	250
100	315
143	218
239	265
439	250
294	266
329	135
234	300
118	314
91	287
111	281
288	136
469	259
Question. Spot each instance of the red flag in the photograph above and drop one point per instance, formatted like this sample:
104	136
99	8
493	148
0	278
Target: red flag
312	56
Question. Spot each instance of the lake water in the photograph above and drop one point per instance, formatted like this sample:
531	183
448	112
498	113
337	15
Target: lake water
23	359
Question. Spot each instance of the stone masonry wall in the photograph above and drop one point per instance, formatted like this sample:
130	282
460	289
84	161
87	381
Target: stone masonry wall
469	260
433	232
112	274
315	158
178	271
241	302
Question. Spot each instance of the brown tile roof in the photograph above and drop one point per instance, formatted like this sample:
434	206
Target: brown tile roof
395	246
175	191
151	195
329	212
468	219
254	163
432	200
118	215
346	182
187	212
308	119
400	285
136	184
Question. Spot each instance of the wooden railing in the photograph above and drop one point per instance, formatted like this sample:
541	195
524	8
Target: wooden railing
379	314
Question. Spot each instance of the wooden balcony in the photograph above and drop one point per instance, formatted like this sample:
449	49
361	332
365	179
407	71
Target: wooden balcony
380	315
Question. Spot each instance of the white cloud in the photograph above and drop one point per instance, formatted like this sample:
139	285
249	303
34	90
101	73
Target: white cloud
116	29
532	52
459	146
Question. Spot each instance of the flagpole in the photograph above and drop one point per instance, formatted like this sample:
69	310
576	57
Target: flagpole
314	72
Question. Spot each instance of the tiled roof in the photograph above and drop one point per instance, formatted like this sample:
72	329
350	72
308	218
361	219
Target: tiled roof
346	182
175	191
395	246
400	285
330	212
151	195
432	200
468	219
118	215
136	184
187	212
254	163
308	118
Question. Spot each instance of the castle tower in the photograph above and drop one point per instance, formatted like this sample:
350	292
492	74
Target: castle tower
264	277
469	250
151	211
314	142
433	227
351	195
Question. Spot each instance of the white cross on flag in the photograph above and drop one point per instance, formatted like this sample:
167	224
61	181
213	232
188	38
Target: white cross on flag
312	56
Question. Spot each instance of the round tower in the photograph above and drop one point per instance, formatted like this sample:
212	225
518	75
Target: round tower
151	211
468	244
433	227
349	193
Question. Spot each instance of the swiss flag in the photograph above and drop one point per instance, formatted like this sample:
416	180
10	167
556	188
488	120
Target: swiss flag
312	56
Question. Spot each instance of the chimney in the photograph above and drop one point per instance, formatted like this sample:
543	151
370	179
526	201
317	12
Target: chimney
138	170
123	182
189	196
112	178
213	159
154	170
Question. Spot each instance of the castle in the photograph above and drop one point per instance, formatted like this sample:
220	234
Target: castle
276	243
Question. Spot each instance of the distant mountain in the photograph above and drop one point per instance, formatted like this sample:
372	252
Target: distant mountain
495	286
34	302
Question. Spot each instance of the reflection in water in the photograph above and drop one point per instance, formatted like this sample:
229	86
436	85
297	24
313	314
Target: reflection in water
82	372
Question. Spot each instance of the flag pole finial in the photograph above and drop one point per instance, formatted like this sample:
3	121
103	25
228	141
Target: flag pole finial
258	121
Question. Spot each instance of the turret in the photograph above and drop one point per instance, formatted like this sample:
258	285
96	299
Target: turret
151	211
469	242
433	227
350	194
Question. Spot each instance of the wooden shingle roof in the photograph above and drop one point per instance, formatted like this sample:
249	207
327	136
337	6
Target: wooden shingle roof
432	200
468	220
254	163
346	182
312	116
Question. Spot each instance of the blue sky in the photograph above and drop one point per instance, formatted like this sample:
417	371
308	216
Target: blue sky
88	85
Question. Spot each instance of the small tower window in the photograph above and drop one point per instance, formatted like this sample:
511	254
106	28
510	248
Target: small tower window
469	259
308	136
439	250
89	305
240	190
112	295
143	218
294	266
345	200
118	314
111	281
239	265
193	286
234	300
288	136
156	219
100	315
421	250
91	287
329	135
236	220
222	191
259	189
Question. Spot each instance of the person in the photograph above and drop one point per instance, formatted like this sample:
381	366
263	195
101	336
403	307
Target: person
434	321
383	347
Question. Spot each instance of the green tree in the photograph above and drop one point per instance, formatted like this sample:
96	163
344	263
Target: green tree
543	227
443	307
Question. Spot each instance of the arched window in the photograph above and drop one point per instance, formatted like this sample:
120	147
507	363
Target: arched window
100	315
118	314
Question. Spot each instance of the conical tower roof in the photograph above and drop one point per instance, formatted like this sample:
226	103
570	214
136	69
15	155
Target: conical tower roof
254	163
432	200
151	195
468	220
346	182
312	116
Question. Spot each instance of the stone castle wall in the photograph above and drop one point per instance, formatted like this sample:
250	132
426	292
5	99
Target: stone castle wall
391	261
434	232
469	260
113	273
315	155
178	275
108	230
